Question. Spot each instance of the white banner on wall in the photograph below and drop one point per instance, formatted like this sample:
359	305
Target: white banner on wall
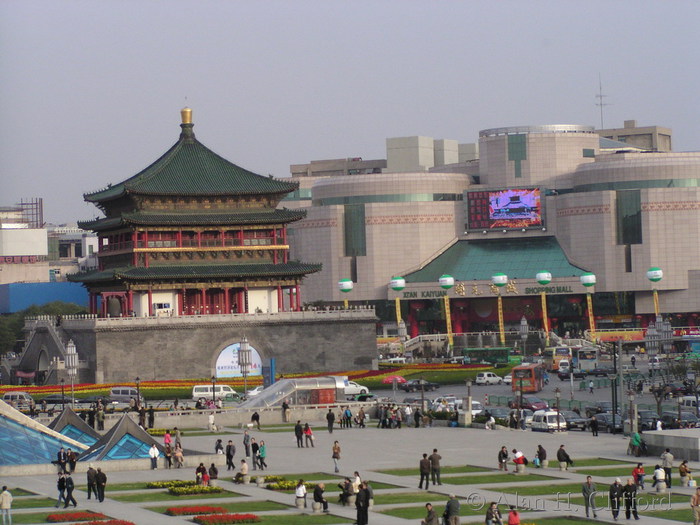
227	362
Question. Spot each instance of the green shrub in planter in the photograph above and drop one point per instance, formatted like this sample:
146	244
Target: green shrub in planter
170	484
197	489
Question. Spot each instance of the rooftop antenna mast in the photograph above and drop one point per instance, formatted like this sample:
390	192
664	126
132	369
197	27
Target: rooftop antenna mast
600	98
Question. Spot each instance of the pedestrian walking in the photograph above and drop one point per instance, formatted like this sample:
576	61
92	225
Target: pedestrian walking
330	419
424	468
91	481
262	455
151	416
362	505
615	495
178	437
503	459
154	453
6	506
70	486
246	443
590	386
101	480
230	452
168	454
61	459
431	517
71	459
629	494
308	435
695	505
219	447
255	419
588	490
286	412
254	448
336	455
667	465
435	467
299	434
61	486
451	513
594	426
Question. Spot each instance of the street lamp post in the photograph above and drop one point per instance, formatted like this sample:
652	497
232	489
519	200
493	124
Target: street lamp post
72	368
544	278
633	412
524	329
244	362
138	392
447	282
680	420
655	274
588	280
499	280
63	396
468	408
213	389
557	394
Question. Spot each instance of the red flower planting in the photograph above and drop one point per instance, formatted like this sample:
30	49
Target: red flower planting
226	519
74	516
108	522
196	509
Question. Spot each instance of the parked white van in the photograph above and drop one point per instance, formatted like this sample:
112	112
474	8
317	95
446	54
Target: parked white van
546	421
124	394
689	404
205	392
17	399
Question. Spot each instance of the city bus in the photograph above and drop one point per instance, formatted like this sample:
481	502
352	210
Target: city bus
493	356
554	354
528	378
584	358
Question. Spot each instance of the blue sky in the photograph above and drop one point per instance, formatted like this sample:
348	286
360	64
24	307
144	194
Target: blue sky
91	91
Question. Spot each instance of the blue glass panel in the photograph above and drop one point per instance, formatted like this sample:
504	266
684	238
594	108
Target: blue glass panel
20	445
78	435
128	447
93	455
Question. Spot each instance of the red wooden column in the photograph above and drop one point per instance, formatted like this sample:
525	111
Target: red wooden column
130	303
280	299
204	300
150	302
291	299
104	305
284	241
298	298
199	239
227	300
183	300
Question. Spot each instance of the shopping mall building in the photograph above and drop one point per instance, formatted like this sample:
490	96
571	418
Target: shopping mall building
565	199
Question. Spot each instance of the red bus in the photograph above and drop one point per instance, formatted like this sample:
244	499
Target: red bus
529	378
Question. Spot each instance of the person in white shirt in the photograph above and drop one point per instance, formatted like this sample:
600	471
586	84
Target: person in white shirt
659	475
154	453
659	425
300	491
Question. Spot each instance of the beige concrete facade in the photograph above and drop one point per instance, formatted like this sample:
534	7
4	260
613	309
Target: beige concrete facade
654	138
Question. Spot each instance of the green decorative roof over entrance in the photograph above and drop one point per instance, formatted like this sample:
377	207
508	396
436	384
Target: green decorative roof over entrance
144	218
479	260
191	169
197	271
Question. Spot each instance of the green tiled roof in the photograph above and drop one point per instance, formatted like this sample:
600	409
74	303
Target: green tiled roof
479	260
195	219
210	271
190	168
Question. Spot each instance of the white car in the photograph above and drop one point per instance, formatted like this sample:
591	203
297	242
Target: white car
508	380
488	378
352	389
255	391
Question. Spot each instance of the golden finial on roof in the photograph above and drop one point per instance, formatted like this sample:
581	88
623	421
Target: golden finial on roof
186	114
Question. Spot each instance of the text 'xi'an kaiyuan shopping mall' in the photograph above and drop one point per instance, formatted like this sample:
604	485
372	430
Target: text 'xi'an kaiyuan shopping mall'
564	200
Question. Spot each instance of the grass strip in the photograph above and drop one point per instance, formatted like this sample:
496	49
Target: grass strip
303	519
495	478
454	469
616	472
242	507
32	503
680	515
592	462
142	497
549	490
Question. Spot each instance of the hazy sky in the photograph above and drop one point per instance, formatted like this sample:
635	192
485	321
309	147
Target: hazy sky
91	90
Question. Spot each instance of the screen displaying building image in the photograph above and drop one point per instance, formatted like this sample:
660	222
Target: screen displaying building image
227	362
508	208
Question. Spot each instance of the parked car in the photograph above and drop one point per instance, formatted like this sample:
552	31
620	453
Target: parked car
508	380
602	371
497	412
57	399
605	423
17	399
598	407
416	385
446	401
255	391
574	421
565	374
530	402
352	389
548	421
670	419
646	419
488	378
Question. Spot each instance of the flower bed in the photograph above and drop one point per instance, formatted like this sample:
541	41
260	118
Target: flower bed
83	516
288	485
196	509
274	478
160	431
196	489
170	484
226	519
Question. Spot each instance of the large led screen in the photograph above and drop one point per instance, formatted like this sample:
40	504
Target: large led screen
511	208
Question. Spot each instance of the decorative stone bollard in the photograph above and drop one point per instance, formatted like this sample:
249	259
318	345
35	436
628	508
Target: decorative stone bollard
260	481
299	502
545	463
661	487
563	465
519	469
316	506
246	480
351	501
371	503
684	481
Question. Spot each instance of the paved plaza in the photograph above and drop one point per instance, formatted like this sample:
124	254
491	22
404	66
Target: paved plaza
372	450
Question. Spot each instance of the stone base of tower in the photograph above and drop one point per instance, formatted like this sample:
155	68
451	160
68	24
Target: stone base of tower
117	350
